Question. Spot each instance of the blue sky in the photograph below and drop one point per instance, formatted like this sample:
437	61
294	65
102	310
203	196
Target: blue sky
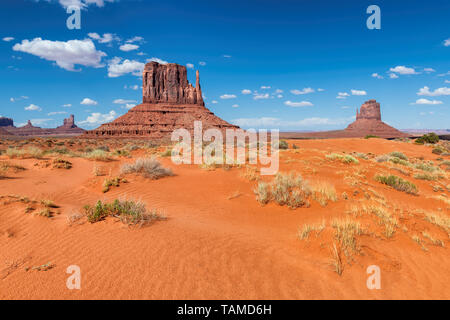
292	65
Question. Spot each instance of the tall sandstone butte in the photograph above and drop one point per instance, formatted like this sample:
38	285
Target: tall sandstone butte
170	102
368	122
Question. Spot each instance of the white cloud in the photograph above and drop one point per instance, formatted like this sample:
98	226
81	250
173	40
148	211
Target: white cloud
202	63
33	107
265	87
303	91
106	38
8	39
426	101
428	70
246	91
228	96
157	60
117	67
38	122
376	75
320	90
123	101
403	70
278	91
425	91
56	112
189	66
129	106
65	54
358	92
88	102
98	118
279	96
135	39
235	106
298	104
67	105
447	81
214	102
132	87
342	95
128	47
261	96
82	3
447	42
393	76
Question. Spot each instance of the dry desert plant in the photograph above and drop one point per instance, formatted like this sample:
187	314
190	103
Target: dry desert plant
147	167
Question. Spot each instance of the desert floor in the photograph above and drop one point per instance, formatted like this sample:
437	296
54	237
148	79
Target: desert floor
218	241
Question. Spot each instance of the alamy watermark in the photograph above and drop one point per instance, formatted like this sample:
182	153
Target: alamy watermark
374	21
239	147
74	20
374	279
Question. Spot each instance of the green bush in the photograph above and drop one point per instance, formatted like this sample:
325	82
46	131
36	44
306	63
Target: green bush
397	183
428	138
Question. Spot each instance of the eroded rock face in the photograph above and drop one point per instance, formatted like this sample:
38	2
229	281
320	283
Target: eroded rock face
170	102
6	122
168	84
370	110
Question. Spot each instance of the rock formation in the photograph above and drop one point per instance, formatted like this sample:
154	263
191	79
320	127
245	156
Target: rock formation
169	102
4	132
368	122
67	129
6	122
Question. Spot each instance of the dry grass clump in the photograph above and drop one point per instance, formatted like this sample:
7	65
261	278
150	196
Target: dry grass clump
324	192
97	155
26	153
285	189
399	155
439	220
425	176
343	158
132	213
436	242
62	164
308	228
251	173
345	233
5	166
397	183
147	167
336	260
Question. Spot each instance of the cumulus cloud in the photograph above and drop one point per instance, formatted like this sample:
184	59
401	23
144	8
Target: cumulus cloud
358	92
128	47
246	91
303	91
106	38
376	75
65	54
298	104
81	3
261	96
98	118
425	91
189	66
8	39
429	102
160	61
135	39
33	107
447	42
117	67
88	102
342	95
228	96
393	76
403	70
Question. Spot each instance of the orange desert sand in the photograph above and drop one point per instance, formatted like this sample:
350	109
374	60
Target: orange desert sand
218	241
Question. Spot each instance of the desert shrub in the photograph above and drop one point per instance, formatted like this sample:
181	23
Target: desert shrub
128	211
370	136
29	152
361	155
425	176
283	145
121	153
438	150
399	161
324	192
343	158
431	138
166	153
113	182
62	164
98	155
58	151
397	183
147	167
285	189
104	148
382	158
399	155
425	167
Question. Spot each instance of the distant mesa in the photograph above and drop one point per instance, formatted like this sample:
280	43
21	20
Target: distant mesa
368	122
170	102
67	129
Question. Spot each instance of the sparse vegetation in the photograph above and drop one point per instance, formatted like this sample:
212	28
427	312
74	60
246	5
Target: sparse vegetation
343	158
399	155
26	153
98	155
397	183
324	192
431	138
62	164
132	213
147	167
